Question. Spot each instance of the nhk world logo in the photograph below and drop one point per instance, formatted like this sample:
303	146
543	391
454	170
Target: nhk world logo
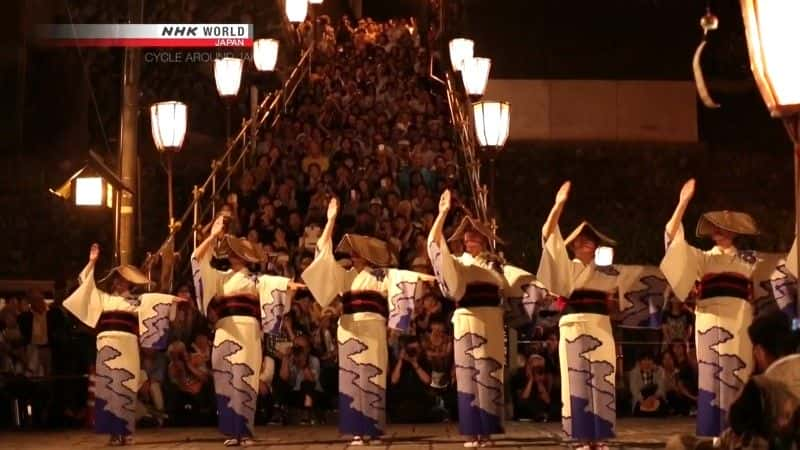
148	35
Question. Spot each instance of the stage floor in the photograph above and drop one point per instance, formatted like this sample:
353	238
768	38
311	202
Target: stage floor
631	433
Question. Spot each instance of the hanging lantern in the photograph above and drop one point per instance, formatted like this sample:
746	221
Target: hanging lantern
492	122
315	2
475	72
228	76
460	49
265	54
773	39
296	10
168	125
604	256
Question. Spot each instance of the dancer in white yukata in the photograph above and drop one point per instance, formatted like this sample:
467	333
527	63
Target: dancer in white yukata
723	281
245	306
476	283
591	293
372	296
123	321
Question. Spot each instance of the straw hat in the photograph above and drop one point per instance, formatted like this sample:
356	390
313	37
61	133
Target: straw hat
587	228
240	247
374	250
733	221
128	272
470	224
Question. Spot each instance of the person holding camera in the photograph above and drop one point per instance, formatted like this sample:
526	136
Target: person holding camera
409	392
301	370
534	395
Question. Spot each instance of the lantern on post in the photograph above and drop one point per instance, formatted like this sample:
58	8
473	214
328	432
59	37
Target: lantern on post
168	125
475	73
460	49
265	54
492	119
296	10
96	185
773	37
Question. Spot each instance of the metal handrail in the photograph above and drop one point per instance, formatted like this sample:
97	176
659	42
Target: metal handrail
272	108
461	117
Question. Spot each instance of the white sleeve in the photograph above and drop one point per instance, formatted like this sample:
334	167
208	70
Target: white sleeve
555	267
324	277
86	303
682	265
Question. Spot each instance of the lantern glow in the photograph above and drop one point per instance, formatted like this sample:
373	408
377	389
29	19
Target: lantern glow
475	72
89	191
492	122
168	125
773	36
228	76
460	49
265	54
604	256
296	10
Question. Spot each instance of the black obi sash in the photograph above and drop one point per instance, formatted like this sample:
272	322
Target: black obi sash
236	305
587	301
124	321
365	301
480	294
725	284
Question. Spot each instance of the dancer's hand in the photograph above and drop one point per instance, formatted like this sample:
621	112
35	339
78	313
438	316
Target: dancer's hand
444	202
563	193
687	191
333	208
94	253
218	228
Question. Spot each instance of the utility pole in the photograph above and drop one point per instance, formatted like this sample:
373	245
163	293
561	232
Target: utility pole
128	141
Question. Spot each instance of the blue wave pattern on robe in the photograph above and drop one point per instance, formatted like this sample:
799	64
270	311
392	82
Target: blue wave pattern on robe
272	313
400	315
115	403
236	400
361	402
646	303
480	394
156	328
718	383
592	397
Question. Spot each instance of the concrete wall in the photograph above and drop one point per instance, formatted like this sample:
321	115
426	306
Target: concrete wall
599	110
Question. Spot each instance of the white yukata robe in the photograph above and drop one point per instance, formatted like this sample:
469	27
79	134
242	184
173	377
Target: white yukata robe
478	332
124	323
723	313
587	350
246	306
361	334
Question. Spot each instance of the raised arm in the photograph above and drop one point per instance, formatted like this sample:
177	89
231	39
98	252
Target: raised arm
325	278
327	233
86	303
436	234
555	213
687	192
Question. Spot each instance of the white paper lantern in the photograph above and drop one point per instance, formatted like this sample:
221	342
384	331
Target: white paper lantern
265	54
773	38
460	49
168	125
604	256
89	191
228	76
296	10
492	122
475	73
